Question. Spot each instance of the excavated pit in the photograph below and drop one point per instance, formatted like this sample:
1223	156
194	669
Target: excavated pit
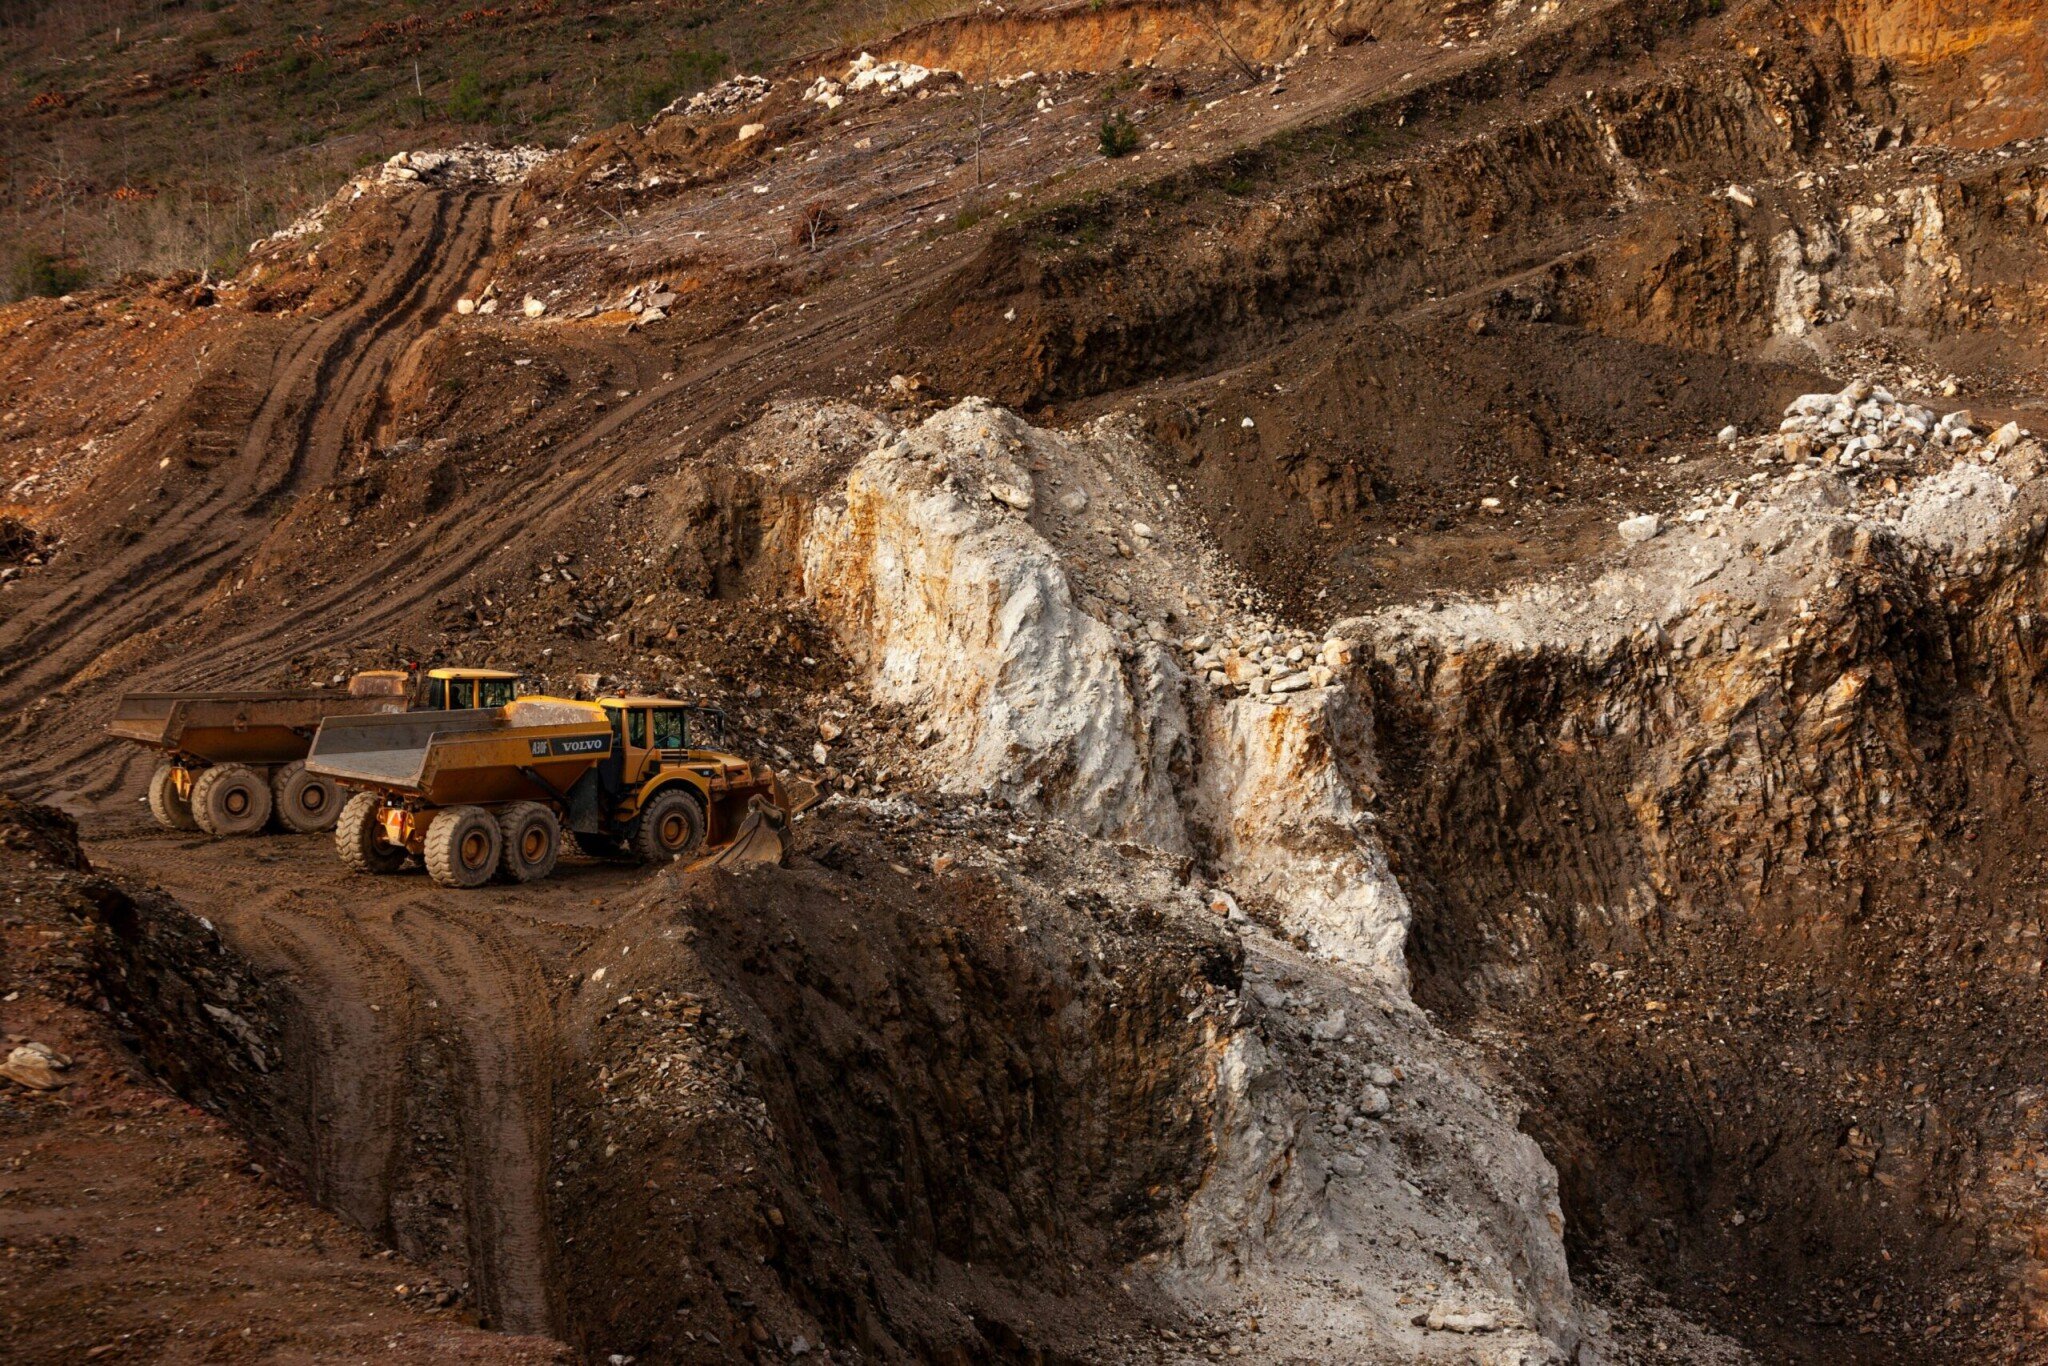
919	1115
1753	914
1730	906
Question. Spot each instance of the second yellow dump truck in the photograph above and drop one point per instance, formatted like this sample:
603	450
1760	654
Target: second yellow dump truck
484	794
233	762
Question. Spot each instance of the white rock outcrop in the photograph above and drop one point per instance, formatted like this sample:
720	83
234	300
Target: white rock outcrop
1286	824
986	577
959	609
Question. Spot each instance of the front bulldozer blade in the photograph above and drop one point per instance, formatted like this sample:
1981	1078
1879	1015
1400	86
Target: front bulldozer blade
760	838
796	795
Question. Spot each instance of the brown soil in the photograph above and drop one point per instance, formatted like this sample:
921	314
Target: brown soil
1443	263
138	1227
844	1102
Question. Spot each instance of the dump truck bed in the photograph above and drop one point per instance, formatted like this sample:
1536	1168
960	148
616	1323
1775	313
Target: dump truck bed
236	727
454	757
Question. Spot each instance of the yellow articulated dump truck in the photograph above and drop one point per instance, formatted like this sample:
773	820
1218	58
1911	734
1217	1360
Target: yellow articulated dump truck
484	794
233	761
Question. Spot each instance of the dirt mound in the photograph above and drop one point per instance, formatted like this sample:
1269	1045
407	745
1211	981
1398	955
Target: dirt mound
39	835
920	1115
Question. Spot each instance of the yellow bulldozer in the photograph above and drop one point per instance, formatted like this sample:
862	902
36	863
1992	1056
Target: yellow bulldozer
234	762
491	793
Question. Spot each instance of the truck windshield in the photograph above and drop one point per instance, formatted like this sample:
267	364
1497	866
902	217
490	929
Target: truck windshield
669	732
437	694
494	692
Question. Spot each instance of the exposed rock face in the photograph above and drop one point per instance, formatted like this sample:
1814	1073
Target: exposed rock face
961	611
964	612
1583	784
1279	799
1740	824
961	602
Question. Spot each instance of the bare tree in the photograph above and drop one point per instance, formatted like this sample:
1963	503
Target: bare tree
1209	15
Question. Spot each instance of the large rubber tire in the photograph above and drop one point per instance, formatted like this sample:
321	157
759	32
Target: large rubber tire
669	827
359	837
306	803
598	846
463	847
532	838
172	812
231	799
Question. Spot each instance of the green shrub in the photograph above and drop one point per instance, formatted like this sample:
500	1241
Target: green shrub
471	101
685	71
1118	136
37	273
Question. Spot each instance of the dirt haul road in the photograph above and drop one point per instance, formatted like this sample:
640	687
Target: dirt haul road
322	398
427	1042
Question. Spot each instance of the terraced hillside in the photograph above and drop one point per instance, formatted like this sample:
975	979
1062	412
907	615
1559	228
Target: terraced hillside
1419	621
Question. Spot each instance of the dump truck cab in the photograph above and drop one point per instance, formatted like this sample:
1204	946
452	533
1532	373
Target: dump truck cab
651	735
668	779
465	689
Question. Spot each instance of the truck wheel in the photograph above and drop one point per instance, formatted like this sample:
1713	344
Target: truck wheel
306	803
667	828
231	799
172	812
359	837
533	841
598	846
463	847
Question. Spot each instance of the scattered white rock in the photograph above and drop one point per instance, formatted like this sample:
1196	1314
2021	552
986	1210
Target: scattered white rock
1636	530
891	78
1011	495
727	97
1865	426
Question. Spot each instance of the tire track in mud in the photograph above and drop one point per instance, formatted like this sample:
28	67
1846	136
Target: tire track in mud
360	1014
384	986
495	997
467	533
324	392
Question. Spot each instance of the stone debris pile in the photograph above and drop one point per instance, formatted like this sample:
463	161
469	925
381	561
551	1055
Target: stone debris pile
1267	663
1865	427
727	97
648	303
470	163
867	73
